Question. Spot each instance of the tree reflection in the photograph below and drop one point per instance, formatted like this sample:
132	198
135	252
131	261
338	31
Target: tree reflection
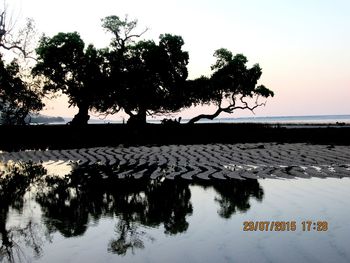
16	180
69	203
234	195
95	191
129	237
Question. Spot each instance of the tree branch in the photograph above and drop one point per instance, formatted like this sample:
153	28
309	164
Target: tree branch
206	116
136	35
7	40
14	46
229	109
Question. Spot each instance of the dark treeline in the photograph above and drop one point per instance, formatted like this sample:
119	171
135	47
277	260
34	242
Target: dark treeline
141	77
70	137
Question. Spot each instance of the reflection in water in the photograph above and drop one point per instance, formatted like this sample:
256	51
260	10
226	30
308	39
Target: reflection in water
88	193
234	196
129	237
15	181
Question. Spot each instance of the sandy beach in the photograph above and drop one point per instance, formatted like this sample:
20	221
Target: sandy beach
206	161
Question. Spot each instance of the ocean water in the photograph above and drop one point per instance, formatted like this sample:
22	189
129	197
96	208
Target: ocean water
312	119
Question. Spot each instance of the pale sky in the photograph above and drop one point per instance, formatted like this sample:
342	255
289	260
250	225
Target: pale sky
303	46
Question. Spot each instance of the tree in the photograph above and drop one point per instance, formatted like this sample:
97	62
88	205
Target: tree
72	70
123	31
145	77
231	82
17	98
153	77
16	41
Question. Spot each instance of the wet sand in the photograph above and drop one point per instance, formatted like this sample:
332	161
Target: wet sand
206	161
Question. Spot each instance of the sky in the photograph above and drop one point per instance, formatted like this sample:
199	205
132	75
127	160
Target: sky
303	46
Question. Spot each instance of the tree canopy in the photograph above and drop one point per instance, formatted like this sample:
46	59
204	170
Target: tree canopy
153	77
17	98
71	69
145	77
19	41
231	82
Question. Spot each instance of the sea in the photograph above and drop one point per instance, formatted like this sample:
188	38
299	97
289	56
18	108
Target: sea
307	119
316	119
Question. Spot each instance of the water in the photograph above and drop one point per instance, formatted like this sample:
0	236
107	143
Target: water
70	213
312	119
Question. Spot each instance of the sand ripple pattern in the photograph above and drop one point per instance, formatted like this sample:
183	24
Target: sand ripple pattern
220	161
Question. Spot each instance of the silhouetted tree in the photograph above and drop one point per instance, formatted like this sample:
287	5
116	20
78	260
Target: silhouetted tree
231	82
154	78
72	70
124	33
145	77
18	41
17	97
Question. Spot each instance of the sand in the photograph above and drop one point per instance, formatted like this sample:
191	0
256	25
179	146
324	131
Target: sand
219	161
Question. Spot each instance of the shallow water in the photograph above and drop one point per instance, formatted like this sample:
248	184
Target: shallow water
70	213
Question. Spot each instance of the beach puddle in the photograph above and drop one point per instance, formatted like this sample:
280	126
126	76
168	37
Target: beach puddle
65	211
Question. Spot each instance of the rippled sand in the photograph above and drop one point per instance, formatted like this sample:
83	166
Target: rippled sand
221	161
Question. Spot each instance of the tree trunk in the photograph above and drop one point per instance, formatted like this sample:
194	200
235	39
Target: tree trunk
82	117
206	116
142	116
137	119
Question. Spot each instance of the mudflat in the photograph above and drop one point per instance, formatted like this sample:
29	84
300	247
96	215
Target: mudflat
204	161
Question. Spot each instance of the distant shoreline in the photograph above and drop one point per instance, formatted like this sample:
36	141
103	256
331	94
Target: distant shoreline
307	119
